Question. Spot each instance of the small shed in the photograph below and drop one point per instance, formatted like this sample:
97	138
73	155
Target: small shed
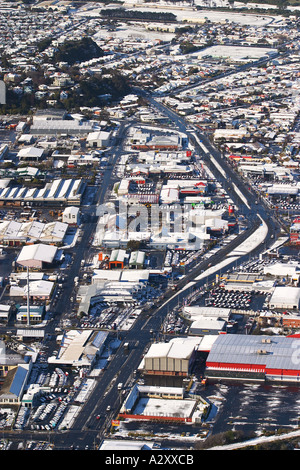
137	260
71	215
117	259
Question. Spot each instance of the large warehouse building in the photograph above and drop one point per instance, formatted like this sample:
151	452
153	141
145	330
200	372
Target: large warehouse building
285	297
39	256
175	358
55	193
254	357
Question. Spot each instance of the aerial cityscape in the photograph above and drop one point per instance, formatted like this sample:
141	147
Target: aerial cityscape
149	226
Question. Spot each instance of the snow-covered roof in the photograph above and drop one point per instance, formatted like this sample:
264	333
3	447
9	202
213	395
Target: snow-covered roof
285	295
38	252
178	348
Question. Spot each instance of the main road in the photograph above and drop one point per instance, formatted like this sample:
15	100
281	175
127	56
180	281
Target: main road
94	419
91	424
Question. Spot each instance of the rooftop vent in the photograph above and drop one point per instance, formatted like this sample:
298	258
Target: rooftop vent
262	351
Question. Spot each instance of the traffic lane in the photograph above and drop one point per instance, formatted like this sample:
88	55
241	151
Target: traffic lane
114	398
101	396
251	197
171	299
177	298
82	250
180	123
73	271
7	260
105	393
230	173
156	322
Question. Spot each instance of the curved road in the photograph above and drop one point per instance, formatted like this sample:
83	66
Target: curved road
122	367
88	429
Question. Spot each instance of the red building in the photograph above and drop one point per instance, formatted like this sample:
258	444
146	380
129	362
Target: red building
254	357
295	232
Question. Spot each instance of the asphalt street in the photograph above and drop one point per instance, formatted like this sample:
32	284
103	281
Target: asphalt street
87	429
122	367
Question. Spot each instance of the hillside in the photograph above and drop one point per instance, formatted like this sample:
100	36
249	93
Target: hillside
78	51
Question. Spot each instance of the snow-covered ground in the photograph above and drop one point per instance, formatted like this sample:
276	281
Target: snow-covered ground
184	13
237	53
258	440
138	31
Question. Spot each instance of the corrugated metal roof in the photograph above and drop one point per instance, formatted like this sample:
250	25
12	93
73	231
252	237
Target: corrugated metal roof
30	332
277	352
18	381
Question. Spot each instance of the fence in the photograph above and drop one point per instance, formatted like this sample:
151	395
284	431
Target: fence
156	418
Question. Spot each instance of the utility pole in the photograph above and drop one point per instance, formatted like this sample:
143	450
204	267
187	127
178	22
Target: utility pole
28	303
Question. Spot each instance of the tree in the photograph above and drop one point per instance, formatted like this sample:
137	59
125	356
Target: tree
78	51
133	245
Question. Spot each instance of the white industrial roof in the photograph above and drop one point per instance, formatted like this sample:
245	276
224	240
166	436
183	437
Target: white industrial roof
79	347
71	210
68	190
117	255
180	348
31	332
4	182
158	389
39	288
158	350
5	308
206	342
30	151
208	323
169	194
282	269
106	274
61	125
98	135
135	275
74	345
10	228
115	444
161	407
285	295
38	252
33	231
196	311
137	257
